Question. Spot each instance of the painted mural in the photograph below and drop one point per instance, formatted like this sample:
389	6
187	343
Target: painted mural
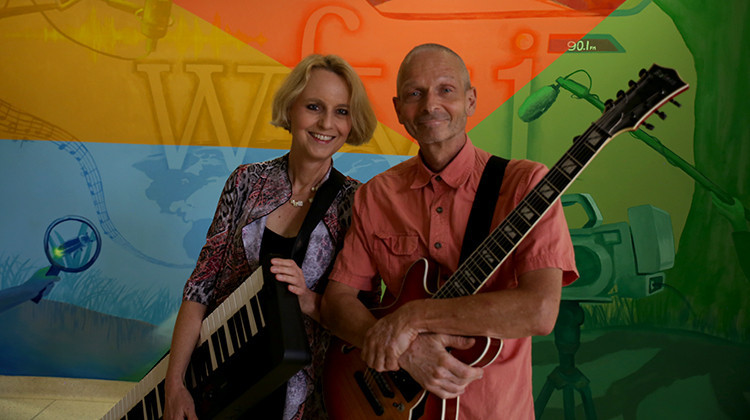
120	121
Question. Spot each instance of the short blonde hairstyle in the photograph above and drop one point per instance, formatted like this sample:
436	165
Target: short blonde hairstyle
362	115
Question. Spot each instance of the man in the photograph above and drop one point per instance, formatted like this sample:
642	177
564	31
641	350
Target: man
420	209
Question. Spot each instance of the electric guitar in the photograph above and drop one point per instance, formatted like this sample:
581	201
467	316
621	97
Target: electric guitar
354	391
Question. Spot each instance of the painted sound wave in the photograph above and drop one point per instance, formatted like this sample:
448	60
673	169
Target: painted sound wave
19	125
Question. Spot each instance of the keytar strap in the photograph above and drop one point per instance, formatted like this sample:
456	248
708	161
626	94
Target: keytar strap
323	199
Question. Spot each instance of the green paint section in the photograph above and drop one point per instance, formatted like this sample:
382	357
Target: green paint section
708	269
706	290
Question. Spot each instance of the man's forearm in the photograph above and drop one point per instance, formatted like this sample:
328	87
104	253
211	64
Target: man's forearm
530	309
345	315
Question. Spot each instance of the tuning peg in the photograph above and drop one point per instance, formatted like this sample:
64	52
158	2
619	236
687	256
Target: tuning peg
631	83
647	126
675	103
608	104
620	93
661	114
642	72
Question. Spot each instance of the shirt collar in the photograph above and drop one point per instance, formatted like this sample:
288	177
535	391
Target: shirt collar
455	174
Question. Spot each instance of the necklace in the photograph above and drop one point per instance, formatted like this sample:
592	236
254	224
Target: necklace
300	203
313	189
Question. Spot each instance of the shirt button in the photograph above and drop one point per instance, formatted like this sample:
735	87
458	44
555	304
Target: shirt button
439	209
438	245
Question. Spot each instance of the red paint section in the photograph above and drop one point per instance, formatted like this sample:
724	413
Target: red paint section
504	43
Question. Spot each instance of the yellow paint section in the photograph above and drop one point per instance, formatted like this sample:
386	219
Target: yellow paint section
86	72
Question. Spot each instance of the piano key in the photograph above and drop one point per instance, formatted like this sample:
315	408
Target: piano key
162	397
246	325
234	332
201	363
231	344
136	413
257	283
219	344
251	317
151	406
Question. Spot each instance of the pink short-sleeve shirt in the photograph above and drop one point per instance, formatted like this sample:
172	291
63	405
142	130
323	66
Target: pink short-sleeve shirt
409	212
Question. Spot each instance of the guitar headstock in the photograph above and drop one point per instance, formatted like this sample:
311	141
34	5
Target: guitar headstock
655	87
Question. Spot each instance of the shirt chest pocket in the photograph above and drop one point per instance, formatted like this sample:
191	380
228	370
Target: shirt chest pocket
396	253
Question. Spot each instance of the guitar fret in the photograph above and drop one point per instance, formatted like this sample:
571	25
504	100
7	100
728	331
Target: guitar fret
596	138
502	242
571	155
474	274
461	291
466	282
487	257
528	212
483	262
546	191
568	167
509	231
478	274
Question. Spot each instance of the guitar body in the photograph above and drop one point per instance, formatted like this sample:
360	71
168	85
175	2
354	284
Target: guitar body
354	391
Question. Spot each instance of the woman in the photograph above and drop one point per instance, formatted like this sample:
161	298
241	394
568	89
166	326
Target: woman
323	104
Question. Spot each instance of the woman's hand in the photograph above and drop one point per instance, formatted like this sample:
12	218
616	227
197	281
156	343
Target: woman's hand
287	271
179	404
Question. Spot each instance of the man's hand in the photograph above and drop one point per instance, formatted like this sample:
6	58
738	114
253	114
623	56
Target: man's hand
388	339
429	363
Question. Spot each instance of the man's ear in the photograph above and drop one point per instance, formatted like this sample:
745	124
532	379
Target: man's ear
471	101
397	107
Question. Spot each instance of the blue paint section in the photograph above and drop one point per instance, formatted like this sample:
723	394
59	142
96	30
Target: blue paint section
152	220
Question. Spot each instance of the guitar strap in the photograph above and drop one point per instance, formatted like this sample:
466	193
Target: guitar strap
323	199
480	218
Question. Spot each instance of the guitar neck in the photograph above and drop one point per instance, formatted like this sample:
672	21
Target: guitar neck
655	87
485	260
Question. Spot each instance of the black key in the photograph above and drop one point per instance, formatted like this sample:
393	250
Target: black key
152	409
136	413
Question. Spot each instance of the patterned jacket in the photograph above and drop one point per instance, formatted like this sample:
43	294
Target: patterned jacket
232	248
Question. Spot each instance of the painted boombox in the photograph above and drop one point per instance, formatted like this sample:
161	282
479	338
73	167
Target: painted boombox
619	259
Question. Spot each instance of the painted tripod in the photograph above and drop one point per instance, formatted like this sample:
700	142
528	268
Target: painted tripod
566	375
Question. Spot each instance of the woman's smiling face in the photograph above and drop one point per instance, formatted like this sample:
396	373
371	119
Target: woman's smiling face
319	117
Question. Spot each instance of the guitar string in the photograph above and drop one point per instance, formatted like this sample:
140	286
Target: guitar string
369	377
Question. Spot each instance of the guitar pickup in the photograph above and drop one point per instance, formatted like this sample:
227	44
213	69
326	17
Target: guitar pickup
377	407
382	384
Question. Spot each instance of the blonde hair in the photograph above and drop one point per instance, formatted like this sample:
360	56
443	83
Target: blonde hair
362	115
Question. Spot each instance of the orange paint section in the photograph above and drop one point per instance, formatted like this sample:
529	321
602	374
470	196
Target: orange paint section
504	43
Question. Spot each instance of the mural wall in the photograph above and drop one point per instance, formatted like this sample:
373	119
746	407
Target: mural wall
120	121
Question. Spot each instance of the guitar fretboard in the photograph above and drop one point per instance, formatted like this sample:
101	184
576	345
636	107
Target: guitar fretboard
482	263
